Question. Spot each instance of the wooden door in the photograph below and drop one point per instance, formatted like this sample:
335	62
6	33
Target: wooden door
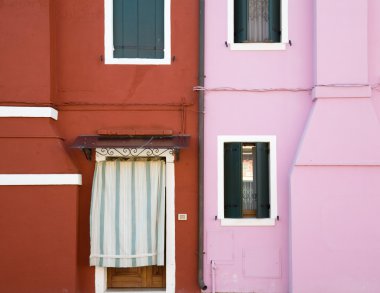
140	277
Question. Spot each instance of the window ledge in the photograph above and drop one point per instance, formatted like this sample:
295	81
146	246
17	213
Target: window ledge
137	61
248	222
139	290
257	46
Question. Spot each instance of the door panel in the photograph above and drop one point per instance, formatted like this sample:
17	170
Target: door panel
140	277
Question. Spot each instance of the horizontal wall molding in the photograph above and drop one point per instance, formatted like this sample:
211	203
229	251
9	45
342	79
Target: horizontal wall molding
40	179
359	91
29	112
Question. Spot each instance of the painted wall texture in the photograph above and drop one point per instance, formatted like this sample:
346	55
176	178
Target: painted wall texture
51	55
322	104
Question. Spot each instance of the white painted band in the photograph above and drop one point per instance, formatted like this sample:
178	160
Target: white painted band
40	179
34	112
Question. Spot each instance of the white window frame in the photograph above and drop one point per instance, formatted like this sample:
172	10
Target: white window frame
108	39
101	273
257	46
271	139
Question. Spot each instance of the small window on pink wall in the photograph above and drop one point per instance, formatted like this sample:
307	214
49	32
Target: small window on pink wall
247	191
257	24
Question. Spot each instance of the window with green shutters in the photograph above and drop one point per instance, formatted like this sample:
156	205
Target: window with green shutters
247	180
257	21
137	31
257	24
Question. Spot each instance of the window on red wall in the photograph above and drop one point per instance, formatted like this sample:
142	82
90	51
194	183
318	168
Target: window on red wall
137	31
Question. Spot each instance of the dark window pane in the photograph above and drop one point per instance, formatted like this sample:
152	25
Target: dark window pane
257	21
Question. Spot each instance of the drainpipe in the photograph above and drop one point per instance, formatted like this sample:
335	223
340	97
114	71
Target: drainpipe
201	78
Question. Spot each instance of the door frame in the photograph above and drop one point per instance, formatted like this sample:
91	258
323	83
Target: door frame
168	154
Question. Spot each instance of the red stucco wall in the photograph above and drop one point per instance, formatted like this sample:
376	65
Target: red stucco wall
39	239
51	55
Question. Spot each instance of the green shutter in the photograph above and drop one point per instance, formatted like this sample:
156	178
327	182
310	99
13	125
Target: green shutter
125	25
275	20
159	38
262	177
138	29
240	21
232	180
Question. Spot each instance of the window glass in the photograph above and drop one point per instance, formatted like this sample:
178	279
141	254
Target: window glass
246	180
249	197
257	21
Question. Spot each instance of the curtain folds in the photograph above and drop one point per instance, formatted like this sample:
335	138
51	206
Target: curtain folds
258	21
127	217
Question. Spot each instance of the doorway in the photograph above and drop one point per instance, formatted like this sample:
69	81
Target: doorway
141	278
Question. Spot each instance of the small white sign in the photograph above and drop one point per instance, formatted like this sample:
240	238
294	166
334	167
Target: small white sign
182	217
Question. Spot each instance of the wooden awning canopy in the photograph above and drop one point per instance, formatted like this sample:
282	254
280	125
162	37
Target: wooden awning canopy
132	142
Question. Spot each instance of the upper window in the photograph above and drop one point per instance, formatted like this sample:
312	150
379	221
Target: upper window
137	31
257	24
247	185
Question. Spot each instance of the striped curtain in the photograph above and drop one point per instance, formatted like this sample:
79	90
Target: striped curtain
127	221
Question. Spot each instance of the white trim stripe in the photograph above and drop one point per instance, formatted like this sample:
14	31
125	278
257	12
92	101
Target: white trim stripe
34	112
40	179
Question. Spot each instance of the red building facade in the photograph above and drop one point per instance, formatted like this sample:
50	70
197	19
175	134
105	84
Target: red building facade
55	86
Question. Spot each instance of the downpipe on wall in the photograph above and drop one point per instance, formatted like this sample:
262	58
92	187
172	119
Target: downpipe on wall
201	78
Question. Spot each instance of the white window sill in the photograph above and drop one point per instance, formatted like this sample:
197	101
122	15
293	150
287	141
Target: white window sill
257	46
248	222
137	61
135	290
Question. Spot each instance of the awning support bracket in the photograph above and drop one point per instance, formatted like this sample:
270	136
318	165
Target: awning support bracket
88	153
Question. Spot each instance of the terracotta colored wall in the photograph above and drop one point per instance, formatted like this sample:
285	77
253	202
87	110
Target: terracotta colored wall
51	54
25	51
95	96
82	77
74	123
39	238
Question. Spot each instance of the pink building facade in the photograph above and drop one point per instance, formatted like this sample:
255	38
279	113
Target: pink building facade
312	96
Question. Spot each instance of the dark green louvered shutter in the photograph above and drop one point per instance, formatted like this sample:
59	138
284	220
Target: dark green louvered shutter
232	180
262	177
275	20
240	21
138	29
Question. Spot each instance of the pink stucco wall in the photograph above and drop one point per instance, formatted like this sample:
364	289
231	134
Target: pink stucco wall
335	180
327	150
254	259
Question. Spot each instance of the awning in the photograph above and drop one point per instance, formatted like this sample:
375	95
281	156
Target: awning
131	142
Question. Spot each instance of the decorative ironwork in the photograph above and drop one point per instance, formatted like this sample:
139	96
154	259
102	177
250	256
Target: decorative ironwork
136	152
131	146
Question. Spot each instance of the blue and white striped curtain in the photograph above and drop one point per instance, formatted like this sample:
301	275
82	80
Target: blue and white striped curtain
127	221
